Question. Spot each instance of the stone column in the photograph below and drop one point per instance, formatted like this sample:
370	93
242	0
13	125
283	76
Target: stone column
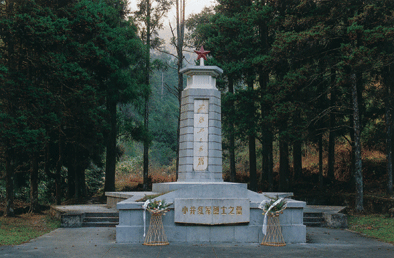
200	143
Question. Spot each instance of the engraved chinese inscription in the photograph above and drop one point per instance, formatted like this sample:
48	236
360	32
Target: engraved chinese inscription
224	210
212	211
200	162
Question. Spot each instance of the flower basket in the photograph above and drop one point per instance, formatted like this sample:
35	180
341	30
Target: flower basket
274	235
156	235
271	226
162	212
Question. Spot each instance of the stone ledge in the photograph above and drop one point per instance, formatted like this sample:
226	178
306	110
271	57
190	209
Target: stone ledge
335	220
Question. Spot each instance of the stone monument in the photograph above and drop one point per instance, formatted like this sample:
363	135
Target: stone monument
200	143
206	209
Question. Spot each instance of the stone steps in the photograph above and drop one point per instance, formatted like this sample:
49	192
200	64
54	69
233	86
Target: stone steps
100	219
314	219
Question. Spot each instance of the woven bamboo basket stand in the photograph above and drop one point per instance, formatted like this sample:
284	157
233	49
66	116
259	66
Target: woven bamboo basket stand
156	234
274	235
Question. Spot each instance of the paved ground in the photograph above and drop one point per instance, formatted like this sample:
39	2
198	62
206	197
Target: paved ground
100	242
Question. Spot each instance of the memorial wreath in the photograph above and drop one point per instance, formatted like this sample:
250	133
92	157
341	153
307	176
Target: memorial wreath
156	206
274	206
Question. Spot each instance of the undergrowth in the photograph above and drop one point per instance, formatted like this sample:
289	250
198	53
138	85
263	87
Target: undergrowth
129	174
374	225
19	229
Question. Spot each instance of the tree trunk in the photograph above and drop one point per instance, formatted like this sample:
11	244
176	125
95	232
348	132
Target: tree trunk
297	150
178	134
34	207
321	162
297	159
82	179
9	212
71	176
358	174
110	164
9	184
252	163
252	142
233	172
270	161
389	131
146	109
267	156
146	148
180	16
267	138
388	149
78	184
331	139
58	176
392	148
352	163
283	165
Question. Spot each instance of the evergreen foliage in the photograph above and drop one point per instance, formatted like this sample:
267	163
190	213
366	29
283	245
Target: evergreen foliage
299	62
61	62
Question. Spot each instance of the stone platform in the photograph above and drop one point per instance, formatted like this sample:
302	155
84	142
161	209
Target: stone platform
74	216
131	229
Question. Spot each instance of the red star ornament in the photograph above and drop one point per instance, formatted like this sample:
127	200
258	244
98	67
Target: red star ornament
202	53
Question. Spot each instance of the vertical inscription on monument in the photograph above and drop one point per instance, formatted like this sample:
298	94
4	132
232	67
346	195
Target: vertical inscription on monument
200	162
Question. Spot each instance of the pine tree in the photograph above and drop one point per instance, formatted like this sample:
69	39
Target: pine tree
149	18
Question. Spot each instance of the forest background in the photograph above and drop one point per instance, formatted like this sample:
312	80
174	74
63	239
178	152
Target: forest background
90	97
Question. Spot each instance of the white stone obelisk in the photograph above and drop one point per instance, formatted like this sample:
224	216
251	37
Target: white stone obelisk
200	144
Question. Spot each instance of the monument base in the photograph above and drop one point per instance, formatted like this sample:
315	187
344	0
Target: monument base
196	229
131	229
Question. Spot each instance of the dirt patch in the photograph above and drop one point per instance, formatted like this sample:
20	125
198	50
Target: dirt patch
24	227
38	222
20	207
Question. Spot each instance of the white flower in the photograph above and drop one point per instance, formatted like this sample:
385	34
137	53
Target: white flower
262	204
145	205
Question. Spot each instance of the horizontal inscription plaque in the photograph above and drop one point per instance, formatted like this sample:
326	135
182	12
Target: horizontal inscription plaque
211	211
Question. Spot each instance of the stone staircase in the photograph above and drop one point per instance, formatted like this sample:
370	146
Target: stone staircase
100	219
314	219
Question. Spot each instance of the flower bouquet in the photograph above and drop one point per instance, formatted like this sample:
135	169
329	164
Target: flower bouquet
156	207
274	206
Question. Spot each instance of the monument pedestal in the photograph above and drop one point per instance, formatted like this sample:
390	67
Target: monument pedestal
188	219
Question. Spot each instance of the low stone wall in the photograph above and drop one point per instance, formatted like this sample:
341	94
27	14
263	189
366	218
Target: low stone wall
114	197
335	220
372	204
68	219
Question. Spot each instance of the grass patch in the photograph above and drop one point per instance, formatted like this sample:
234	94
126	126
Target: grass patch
375	225
23	228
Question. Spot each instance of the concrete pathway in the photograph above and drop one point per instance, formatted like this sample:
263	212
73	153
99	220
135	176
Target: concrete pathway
100	242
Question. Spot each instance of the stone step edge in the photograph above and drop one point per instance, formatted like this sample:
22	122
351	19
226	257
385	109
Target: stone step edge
101	214
313	220
100	224
101	219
